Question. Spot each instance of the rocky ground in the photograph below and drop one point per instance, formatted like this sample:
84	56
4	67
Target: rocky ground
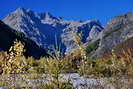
79	82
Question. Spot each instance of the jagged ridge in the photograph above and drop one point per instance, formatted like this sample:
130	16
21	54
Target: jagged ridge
47	30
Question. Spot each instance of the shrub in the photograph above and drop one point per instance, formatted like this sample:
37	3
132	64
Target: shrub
108	67
14	61
92	46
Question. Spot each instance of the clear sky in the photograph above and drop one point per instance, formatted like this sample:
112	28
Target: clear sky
103	10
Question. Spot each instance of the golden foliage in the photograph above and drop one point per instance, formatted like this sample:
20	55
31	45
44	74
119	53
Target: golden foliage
14	61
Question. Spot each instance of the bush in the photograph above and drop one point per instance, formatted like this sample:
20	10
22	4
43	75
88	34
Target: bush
108	67
13	61
92	46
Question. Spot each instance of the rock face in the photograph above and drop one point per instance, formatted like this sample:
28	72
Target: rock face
117	30
49	31
89	30
9	35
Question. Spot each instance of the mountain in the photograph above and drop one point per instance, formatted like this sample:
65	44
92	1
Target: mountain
117	31
9	35
89	32
49	31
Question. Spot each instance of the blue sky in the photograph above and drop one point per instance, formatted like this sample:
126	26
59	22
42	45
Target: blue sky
103	10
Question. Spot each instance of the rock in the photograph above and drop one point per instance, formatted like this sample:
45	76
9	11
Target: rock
117	31
52	32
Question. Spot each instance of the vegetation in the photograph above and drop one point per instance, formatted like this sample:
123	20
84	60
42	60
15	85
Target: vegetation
113	66
92	46
13	62
124	47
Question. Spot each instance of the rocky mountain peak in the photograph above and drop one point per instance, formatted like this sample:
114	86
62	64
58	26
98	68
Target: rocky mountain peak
48	15
48	30
48	18
19	11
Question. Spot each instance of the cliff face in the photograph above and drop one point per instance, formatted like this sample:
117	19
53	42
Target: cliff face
49	31
117	31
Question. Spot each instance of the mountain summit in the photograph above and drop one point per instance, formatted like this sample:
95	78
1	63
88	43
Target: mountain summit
49	31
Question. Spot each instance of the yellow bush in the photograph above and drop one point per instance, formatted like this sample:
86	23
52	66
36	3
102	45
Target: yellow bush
14	61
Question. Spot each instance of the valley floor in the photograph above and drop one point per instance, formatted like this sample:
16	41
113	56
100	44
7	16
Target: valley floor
34	81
